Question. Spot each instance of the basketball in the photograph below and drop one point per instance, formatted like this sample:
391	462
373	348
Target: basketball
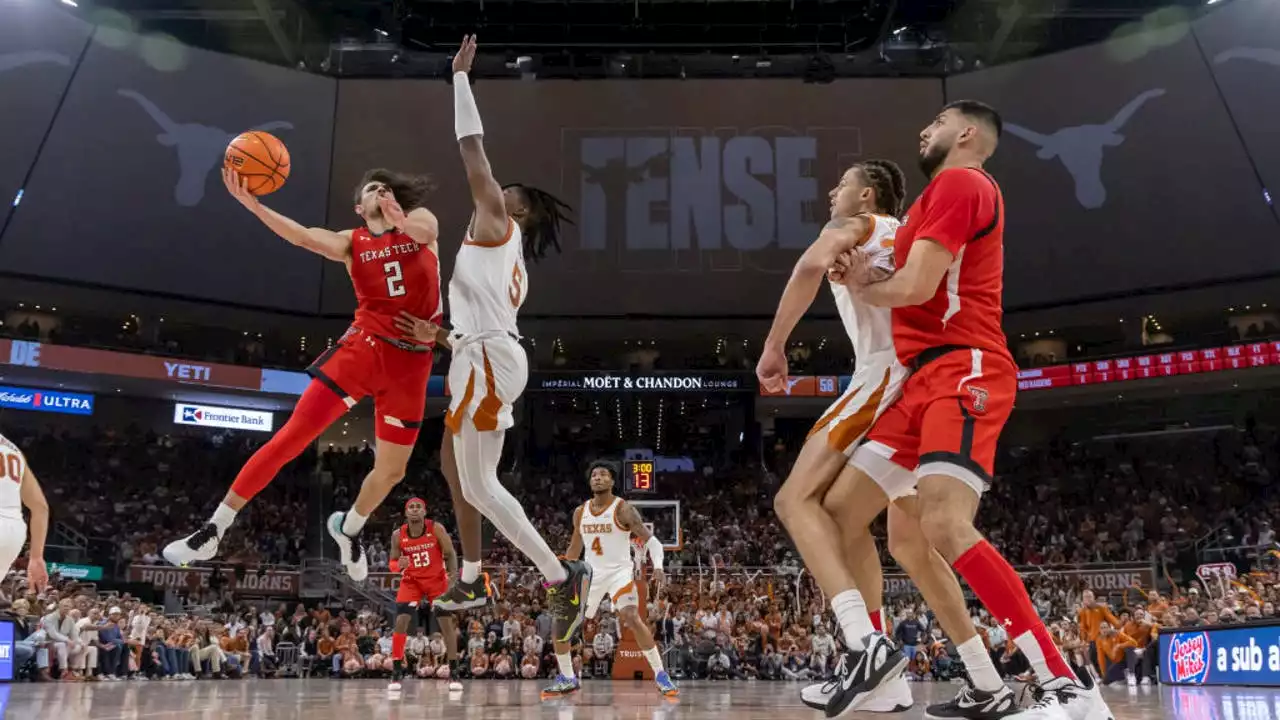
261	159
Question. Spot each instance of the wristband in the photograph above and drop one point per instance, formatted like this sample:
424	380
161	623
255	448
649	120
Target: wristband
394	565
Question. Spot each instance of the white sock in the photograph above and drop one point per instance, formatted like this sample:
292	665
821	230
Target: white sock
223	517
1035	653
470	571
477	455
977	662
655	660
851	613
353	523
565	661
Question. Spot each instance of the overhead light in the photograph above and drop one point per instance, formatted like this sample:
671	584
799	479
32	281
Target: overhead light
380	31
1210	2
72	3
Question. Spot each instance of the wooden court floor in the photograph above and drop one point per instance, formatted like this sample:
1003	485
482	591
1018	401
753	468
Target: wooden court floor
322	699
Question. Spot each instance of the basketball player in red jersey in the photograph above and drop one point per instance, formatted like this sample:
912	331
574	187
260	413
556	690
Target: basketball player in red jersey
394	266
423	554
941	435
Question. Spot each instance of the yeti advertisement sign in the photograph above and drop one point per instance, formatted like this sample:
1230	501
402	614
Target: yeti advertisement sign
222	417
1221	656
16	398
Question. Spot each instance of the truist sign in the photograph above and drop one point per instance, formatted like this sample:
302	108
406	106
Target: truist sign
39	400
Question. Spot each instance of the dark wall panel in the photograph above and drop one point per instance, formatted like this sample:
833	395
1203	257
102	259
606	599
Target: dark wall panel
127	191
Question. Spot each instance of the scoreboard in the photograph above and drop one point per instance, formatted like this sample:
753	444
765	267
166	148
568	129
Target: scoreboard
640	476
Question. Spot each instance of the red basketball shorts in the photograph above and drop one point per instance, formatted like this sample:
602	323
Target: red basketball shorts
416	590
947	422
363	364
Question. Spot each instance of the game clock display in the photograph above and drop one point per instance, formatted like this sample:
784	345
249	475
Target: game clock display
640	476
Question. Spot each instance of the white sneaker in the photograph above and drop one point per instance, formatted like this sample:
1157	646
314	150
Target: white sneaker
199	546
892	697
1133	681
455	686
350	550
1066	699
394	686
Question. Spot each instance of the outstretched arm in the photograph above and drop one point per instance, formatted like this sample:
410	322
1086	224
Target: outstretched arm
335	246
490	225
33	498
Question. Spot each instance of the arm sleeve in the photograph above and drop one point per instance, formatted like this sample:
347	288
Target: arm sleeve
958	205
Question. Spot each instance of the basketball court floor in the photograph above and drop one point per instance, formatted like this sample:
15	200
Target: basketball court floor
321	699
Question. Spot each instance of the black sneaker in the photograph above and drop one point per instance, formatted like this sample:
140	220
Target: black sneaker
567	600
864	673
464	596
974	704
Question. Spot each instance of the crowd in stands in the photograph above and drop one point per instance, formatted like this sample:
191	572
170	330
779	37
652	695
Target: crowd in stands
737	603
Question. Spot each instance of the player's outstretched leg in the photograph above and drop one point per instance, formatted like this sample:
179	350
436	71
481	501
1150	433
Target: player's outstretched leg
317	409
948	506
390	460
566	682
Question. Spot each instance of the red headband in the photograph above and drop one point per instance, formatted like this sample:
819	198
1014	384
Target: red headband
413	500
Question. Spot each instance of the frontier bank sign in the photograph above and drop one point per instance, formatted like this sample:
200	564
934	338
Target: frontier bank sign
739	192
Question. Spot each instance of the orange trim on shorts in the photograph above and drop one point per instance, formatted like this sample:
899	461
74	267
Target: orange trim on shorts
453	420
832	413
853	427
485	417
625	589
511	230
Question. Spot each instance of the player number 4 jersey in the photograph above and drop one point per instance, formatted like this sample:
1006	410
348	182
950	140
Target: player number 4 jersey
13	468
606	545
489	285
961	209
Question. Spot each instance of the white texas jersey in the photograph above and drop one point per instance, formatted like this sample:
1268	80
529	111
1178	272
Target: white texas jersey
870	328
13	468
606	546
489	285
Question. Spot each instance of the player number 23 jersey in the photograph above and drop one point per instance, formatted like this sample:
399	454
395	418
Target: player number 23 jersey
489	284
605	544
421	556
13	467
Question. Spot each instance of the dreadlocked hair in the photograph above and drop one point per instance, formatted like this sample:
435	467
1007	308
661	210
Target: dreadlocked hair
542	224
410	191
889	183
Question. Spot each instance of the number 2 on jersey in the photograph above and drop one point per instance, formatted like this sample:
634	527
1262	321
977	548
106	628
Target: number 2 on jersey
595	546
11	467
395	278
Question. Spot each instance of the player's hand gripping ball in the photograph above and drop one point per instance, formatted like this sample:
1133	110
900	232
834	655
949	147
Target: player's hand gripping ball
260	159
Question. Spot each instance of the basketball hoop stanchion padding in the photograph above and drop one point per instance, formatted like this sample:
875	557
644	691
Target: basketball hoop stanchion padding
628	662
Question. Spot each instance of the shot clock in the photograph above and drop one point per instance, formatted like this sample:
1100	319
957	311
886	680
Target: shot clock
640	476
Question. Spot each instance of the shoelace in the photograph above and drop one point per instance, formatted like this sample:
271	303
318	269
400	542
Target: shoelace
1043	696
842	667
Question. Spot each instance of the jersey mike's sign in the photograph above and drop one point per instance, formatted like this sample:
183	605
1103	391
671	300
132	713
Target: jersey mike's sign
39	400
277	583
652	382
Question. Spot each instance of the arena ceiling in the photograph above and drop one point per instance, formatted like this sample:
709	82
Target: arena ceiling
814	39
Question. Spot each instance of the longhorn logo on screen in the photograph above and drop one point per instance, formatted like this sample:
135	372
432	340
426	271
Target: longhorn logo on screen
1080	148
654	189
200	148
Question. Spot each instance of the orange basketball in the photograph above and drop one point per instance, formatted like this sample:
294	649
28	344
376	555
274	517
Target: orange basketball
261	159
